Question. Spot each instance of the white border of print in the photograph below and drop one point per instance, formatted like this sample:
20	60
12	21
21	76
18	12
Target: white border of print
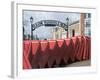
17	70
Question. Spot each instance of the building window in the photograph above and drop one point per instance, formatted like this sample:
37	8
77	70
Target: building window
87	24
89	15
56	29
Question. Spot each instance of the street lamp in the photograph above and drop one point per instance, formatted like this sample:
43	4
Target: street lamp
67	20
31	21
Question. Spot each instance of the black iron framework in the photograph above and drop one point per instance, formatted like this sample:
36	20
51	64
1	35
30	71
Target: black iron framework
49	23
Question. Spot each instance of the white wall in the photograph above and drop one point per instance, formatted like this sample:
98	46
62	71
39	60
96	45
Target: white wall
5	38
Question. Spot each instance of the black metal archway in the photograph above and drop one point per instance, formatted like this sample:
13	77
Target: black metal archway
47	23
50	23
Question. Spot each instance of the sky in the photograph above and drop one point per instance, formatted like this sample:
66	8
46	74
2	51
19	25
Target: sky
42	31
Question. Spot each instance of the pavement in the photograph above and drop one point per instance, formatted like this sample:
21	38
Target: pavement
80	63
